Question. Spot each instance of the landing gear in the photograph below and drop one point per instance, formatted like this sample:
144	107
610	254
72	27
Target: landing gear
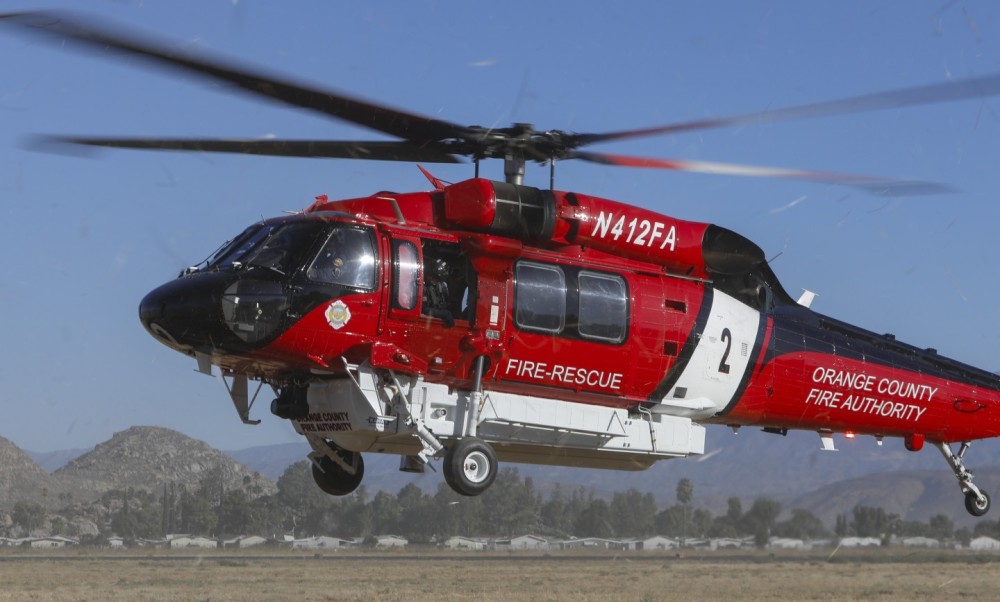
977	505
338	478
977	501
470	466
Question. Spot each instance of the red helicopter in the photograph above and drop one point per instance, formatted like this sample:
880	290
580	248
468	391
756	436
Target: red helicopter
484	321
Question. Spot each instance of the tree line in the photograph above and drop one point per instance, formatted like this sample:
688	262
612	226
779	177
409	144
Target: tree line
512	506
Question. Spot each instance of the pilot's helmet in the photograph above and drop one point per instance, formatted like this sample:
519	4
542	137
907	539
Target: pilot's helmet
440	270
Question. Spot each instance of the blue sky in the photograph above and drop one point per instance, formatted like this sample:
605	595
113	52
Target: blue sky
85	238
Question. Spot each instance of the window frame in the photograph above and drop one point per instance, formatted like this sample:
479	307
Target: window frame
372	246
397	275
624	298
518	295
571	326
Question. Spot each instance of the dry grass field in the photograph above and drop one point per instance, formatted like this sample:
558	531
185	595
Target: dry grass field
888	575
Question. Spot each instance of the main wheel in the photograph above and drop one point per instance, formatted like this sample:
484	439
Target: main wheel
470	466
333	479
975	505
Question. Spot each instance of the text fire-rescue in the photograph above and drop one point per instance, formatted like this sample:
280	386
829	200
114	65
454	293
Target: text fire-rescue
559	373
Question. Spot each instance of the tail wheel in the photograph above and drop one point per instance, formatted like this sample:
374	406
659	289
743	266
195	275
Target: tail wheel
977	505
333	479
470	466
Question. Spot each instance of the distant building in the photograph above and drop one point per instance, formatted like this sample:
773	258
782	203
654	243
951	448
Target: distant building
244	541
322	542
719	543
920	542
56	541
529	542
860	542
187	541
590	543
391	541
787	543
984	543
460	542
659	542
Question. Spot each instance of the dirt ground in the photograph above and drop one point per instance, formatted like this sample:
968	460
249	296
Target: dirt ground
162	575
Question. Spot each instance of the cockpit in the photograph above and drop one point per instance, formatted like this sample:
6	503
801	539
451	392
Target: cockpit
260	282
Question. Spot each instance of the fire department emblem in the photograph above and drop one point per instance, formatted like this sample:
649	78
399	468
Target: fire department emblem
337	315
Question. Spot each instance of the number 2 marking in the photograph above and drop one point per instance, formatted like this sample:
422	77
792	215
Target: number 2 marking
727	338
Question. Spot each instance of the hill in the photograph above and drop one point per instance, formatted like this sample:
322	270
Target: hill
19	475
147	458
911	494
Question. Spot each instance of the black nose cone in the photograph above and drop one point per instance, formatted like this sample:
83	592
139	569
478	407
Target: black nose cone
214	312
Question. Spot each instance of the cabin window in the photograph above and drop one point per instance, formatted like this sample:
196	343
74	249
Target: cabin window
603	307
347	259
570	301
540	293
406	275
449	282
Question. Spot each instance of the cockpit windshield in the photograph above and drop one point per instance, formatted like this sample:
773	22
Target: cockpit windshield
237	247
276	246
347	256
284	248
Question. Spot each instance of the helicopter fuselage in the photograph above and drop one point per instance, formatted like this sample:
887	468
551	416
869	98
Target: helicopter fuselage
567	297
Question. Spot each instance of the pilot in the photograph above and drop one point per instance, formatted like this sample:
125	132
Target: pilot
436	292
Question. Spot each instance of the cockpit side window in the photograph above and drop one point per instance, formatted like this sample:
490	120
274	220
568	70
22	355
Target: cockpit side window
406	275
347	258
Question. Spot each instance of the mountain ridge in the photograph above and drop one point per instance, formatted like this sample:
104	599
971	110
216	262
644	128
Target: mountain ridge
140	457
792	470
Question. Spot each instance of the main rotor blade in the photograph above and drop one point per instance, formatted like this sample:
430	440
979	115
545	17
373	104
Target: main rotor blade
871	184
951	91
408	126
336	149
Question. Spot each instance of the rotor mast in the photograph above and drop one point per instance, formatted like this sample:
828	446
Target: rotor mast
513	167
